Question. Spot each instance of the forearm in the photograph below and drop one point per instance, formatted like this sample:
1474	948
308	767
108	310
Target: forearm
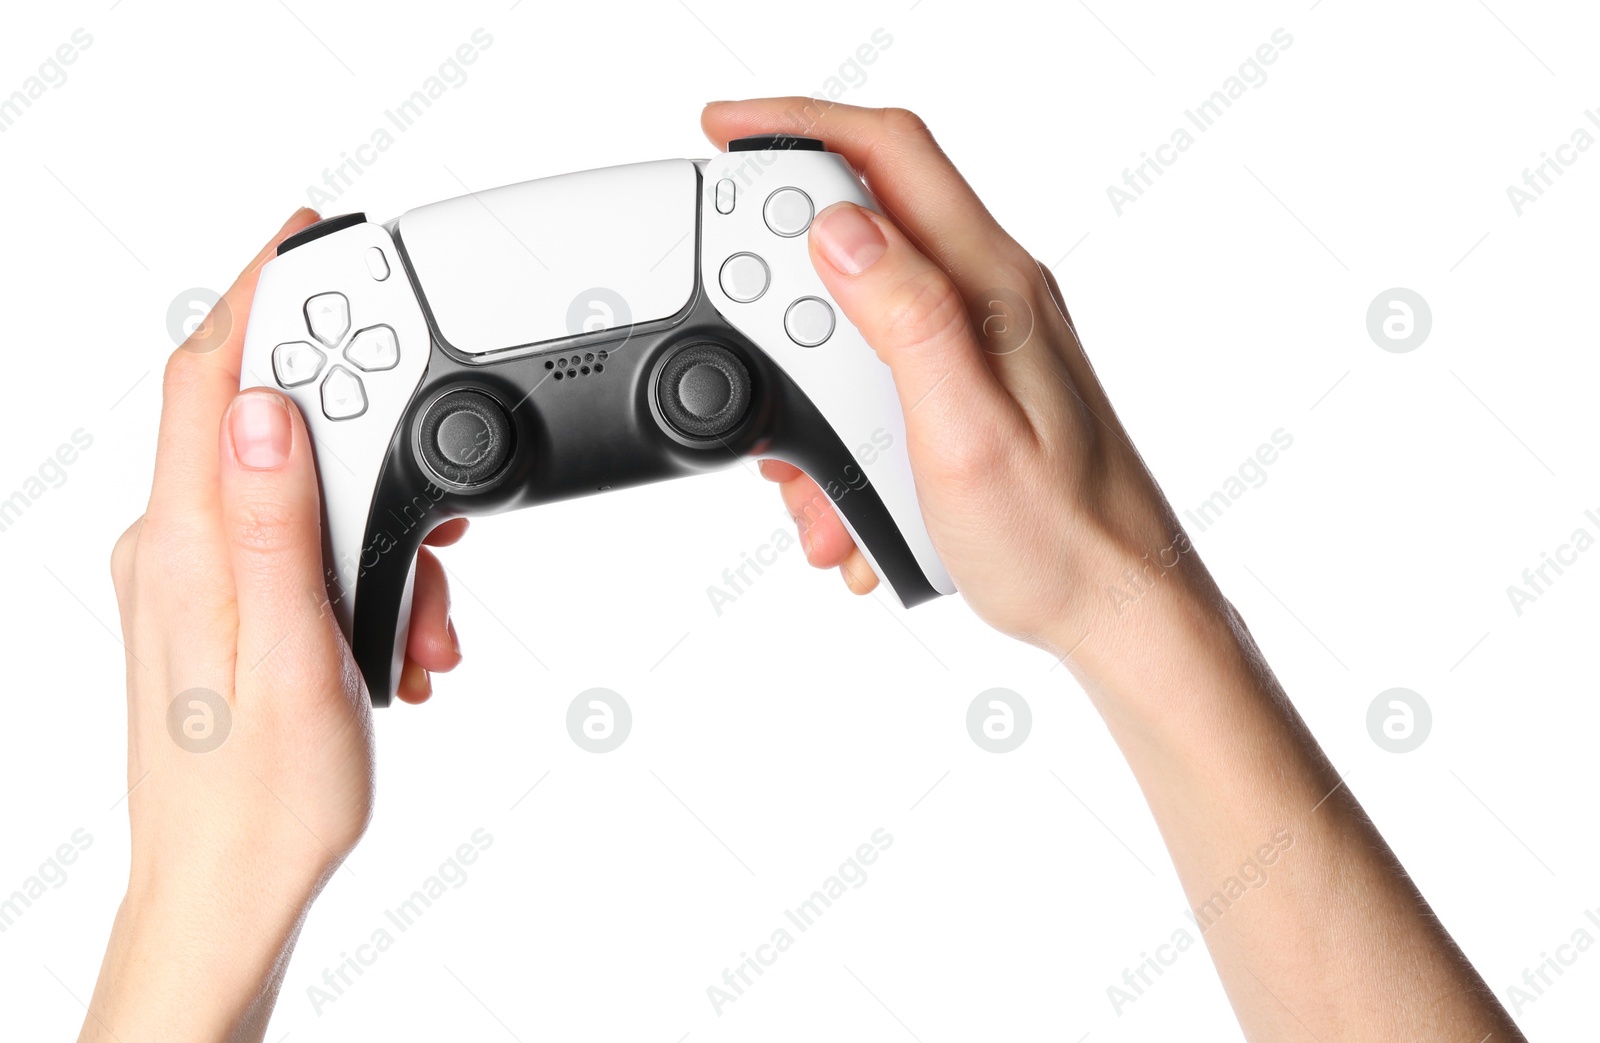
1310	920
194	966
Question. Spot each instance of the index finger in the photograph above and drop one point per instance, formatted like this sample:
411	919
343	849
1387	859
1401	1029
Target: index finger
200	382
905	168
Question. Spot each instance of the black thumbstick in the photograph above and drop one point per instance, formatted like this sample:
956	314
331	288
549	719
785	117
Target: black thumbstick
466	438
704	391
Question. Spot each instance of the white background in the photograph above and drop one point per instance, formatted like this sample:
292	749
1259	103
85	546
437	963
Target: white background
1230	301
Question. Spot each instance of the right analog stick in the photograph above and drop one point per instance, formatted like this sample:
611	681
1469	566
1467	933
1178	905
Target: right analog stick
704	391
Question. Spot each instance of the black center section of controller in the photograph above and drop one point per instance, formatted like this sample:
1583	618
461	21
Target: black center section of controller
465	438
704	391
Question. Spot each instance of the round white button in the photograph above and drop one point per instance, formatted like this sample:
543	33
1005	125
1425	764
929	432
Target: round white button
744	277
788	212
809	321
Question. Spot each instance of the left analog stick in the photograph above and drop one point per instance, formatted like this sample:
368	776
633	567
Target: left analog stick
466	438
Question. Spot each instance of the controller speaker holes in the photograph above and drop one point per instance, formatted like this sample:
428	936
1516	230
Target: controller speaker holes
579	364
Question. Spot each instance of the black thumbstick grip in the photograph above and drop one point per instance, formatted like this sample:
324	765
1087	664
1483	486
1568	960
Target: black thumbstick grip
466	438
704	391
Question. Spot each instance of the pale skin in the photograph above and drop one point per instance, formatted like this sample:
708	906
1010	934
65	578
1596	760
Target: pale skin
1036	501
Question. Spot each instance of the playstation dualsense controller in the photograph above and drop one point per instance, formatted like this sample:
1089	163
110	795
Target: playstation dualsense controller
569	336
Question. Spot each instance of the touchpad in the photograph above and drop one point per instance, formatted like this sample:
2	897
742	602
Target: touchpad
557	257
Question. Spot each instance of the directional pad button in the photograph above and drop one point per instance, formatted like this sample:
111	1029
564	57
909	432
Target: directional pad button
296	363
374	348
343	397
328	316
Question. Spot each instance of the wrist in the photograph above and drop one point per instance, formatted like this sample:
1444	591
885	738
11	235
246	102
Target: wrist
1150	628
188	961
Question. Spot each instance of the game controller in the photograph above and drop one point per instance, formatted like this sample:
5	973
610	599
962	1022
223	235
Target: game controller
573	335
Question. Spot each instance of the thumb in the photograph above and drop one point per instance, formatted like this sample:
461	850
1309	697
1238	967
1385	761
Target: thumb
271	519
910	312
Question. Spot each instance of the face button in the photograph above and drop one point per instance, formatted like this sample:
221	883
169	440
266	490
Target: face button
296	363
788	212
374	348
328	316
809	321
466	438
343	397
704	391
744	277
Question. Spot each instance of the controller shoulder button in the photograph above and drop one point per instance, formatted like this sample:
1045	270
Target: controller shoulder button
327	226
775	143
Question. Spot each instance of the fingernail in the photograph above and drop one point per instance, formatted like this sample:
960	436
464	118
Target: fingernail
450	628
259	424
848	239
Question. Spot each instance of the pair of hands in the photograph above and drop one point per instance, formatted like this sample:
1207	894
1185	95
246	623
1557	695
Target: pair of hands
1035	501
1023	476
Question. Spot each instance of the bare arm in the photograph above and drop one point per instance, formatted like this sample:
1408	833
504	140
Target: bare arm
1037	502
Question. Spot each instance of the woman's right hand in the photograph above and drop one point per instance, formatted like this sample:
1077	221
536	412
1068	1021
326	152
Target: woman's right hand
1034	497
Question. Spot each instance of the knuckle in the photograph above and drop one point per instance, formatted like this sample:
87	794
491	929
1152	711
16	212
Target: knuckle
122	553
903	123
181	375
924	311
1052	287
168	545
262	527
968	461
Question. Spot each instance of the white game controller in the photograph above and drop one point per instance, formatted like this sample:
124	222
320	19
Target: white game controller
573	335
